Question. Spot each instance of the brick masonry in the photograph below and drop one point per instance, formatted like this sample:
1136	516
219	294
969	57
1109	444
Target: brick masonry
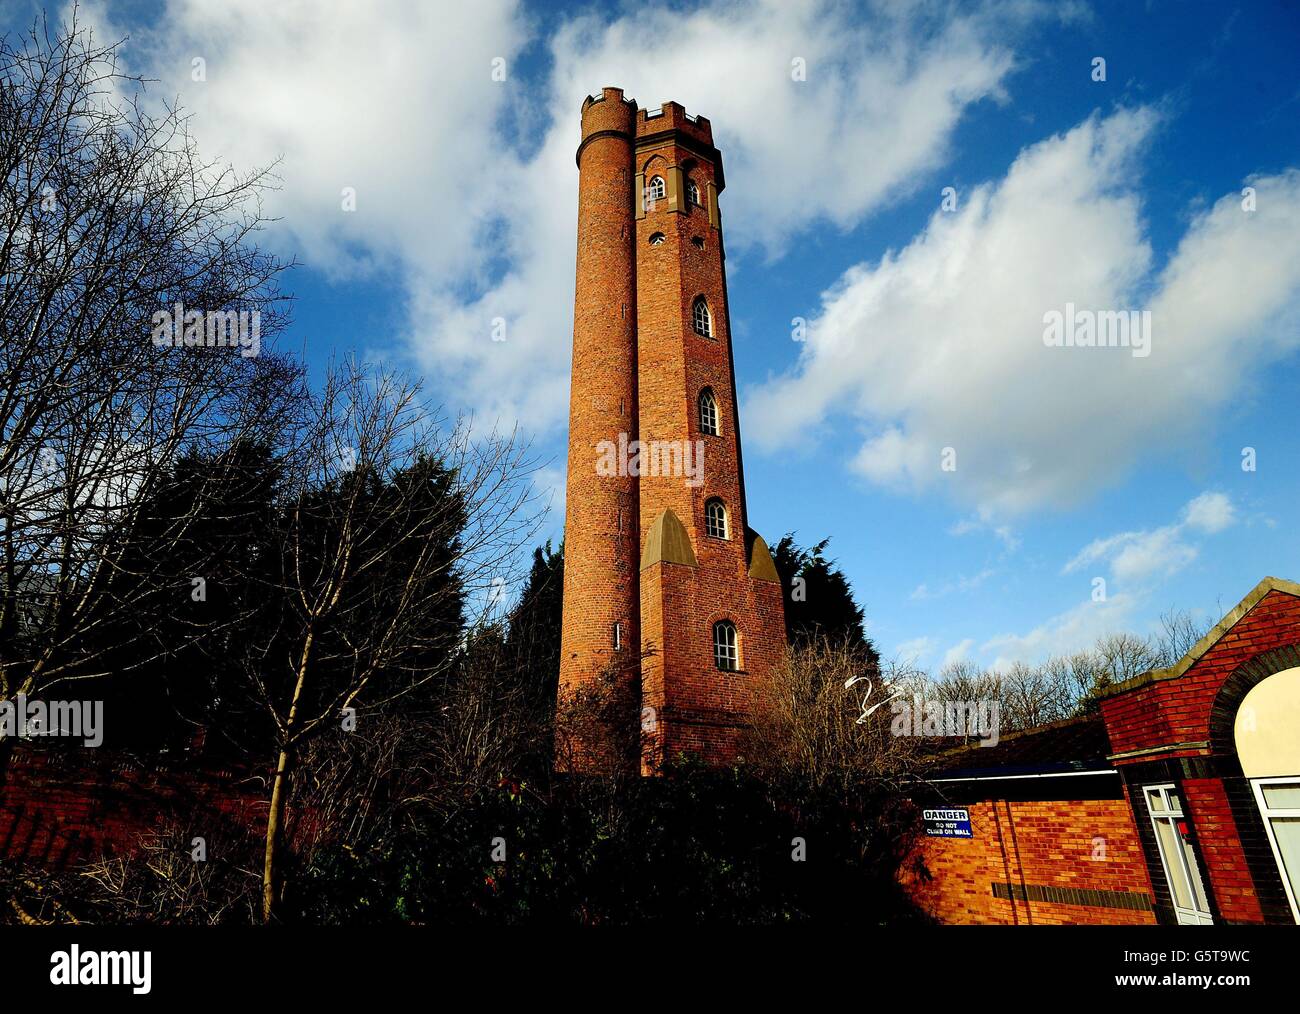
1179	729
634	341
1055	862
60	808
1172	726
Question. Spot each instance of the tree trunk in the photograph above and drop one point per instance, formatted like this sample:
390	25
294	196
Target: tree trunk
272	888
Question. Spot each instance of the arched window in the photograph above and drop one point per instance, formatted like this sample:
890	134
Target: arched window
726	653
692	192
715	519
701	318
656	239
654	191
708	413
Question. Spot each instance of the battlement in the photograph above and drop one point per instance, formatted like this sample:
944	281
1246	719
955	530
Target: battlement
607	94
611	110
608	113
673	116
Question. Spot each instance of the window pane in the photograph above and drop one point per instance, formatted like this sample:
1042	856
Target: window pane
1175	801
1287	832
1281	797
1198	888
724	646
715	519
1169	850
1155	800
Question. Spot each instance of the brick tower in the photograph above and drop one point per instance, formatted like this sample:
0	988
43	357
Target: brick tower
664	582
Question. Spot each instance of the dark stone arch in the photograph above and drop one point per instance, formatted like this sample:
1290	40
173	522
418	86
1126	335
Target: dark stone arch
1244	679
1236	786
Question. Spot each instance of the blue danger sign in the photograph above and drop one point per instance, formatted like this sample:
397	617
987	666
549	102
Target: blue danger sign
947	823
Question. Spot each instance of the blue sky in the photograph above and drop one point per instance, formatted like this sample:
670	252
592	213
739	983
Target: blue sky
925	323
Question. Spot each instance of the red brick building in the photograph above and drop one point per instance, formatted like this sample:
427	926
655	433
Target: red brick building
1179	803
665	583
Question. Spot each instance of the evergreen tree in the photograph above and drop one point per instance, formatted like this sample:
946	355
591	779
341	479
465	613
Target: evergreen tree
533	638
818	598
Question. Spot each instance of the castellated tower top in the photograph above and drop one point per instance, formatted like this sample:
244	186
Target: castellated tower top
673	116
612	113
608	112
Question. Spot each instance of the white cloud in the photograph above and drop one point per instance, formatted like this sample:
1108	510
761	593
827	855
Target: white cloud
958	652
876	112
877	108
461	204
1141	555
959	584
915	650
1067	632
1210	513
970	526
940	344
390	98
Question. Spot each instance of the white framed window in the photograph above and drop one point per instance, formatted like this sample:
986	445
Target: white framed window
715	519
726	651
708	413
654	191
692	192
1182	871
701	319
1279	805
618	637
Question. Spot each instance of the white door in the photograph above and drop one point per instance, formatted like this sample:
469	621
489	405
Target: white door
1176	856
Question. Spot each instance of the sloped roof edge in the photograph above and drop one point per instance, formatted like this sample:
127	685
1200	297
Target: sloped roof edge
1269	584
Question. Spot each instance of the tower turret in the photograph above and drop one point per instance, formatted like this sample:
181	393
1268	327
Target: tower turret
602	536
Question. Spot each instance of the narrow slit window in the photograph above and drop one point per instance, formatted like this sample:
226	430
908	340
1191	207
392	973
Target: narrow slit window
715	519
726	652
701	319
708	413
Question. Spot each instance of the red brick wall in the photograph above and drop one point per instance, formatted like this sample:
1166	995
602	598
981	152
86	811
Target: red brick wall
1176	714
700	709
1219	845
639	369
1035	844
1178	710
60	808
601	532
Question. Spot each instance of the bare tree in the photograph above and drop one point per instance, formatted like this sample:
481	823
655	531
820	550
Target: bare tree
110	220
825	719
388	520
158	881
161	883
963	680
1178	634
486	726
